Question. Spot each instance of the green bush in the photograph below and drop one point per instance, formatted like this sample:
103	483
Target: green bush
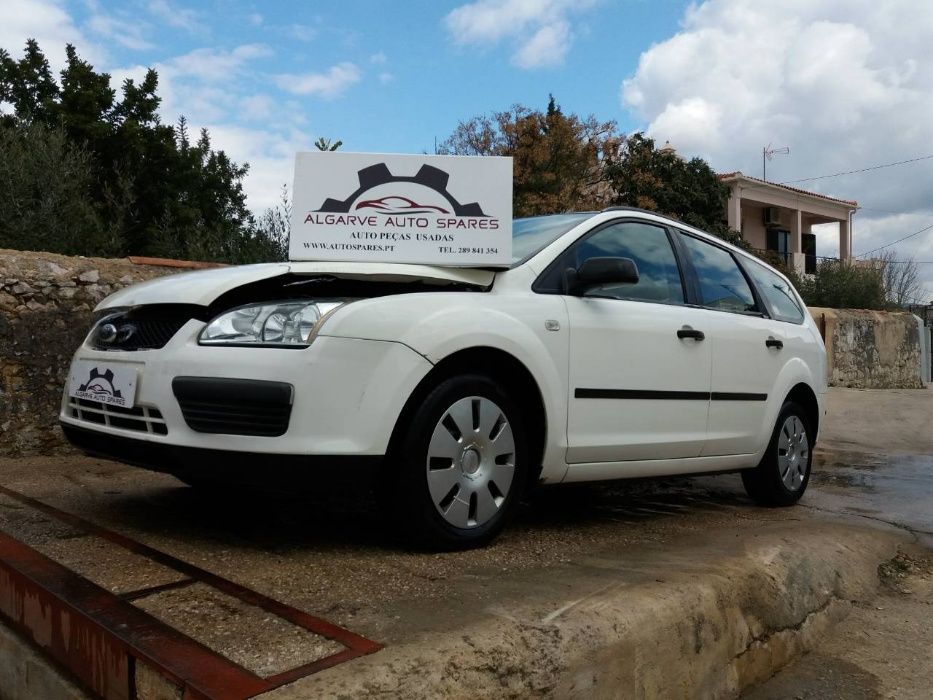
841	285
45	197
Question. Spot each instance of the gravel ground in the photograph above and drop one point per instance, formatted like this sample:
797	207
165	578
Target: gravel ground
257	640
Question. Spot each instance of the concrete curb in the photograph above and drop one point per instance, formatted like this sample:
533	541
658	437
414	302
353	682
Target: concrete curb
27	675
702	630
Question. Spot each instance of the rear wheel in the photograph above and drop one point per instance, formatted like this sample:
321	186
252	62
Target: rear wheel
781	477
461	466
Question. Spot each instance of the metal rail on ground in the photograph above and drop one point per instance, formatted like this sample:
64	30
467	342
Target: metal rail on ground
101	637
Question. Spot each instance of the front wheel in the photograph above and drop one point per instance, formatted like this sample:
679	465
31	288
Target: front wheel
784	471
461	467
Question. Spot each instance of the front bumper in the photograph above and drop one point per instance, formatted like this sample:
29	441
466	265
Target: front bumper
304	472
347	394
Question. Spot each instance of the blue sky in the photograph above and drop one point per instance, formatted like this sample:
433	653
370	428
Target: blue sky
845	85
269	78
407	77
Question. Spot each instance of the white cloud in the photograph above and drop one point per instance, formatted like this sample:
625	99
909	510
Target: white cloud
328	85
378	58
204	85
270	154
47	22
257	107
845	85
540	29
385	78
125	31
256	19
174	16
302	32
547	47
213	65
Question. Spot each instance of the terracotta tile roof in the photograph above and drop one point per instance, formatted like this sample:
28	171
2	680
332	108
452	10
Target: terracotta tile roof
797	190
168	262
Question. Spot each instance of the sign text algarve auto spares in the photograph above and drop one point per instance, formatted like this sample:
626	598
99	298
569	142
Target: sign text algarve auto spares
438	210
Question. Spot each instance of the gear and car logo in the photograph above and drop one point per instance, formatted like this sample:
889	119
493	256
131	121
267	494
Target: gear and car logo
99	387
424	193
399	215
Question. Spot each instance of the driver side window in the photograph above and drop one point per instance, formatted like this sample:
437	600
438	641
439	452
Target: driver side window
647	245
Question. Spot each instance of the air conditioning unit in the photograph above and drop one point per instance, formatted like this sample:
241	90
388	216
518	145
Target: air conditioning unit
772	216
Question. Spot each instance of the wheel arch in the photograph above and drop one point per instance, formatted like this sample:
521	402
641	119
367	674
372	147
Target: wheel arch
802	394
504	368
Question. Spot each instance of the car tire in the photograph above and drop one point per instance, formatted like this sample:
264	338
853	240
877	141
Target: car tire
781	477
461	468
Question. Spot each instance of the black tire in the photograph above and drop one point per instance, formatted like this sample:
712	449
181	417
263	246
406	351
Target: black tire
766	483
408	500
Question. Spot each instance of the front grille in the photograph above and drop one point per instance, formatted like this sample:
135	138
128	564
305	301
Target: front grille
143	419
234	406
142	328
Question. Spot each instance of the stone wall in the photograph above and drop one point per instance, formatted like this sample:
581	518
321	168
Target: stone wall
871	349
46	302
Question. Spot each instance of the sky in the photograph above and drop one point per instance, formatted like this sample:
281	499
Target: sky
844	84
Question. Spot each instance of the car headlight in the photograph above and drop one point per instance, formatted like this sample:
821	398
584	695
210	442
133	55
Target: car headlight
271	324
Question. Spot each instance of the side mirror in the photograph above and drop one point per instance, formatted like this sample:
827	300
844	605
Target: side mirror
596	272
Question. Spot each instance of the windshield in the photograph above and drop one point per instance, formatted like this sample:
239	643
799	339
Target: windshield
533	234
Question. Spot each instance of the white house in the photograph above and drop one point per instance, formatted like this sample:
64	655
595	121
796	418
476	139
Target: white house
780	218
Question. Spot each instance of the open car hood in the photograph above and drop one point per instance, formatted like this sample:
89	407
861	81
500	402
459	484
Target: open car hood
204	286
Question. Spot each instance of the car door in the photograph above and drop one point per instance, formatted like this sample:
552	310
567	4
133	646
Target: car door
639	375
744	367
785	337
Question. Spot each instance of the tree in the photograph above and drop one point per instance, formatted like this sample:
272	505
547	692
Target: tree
323	144
557	158
273	229
137	186
659	180
901	279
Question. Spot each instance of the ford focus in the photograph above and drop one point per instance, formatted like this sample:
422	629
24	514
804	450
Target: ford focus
618	344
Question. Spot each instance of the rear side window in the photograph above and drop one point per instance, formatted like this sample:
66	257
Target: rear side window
778	292
650	248
722	284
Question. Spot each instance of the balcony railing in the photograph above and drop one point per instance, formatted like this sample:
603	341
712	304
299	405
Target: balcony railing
786	260
774	258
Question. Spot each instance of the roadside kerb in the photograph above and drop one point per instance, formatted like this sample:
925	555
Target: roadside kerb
706	631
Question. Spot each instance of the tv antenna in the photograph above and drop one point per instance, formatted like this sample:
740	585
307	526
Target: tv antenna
767	153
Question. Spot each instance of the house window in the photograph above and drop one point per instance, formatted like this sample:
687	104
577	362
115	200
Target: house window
778	241
808	243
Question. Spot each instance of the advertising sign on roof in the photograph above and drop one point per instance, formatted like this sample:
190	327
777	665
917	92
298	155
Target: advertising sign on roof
435	210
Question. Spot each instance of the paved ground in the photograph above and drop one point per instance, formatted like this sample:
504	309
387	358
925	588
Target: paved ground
879	467
334	559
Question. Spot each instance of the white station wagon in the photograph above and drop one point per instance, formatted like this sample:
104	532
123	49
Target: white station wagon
619	344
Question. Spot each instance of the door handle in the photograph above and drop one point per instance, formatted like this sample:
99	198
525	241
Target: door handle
690	333
774	343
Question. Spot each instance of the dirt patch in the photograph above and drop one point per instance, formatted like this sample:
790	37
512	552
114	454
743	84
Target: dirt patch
905	571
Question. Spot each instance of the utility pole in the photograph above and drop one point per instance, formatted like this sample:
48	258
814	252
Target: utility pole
767	153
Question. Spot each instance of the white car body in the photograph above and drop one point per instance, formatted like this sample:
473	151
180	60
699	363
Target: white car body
351	384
